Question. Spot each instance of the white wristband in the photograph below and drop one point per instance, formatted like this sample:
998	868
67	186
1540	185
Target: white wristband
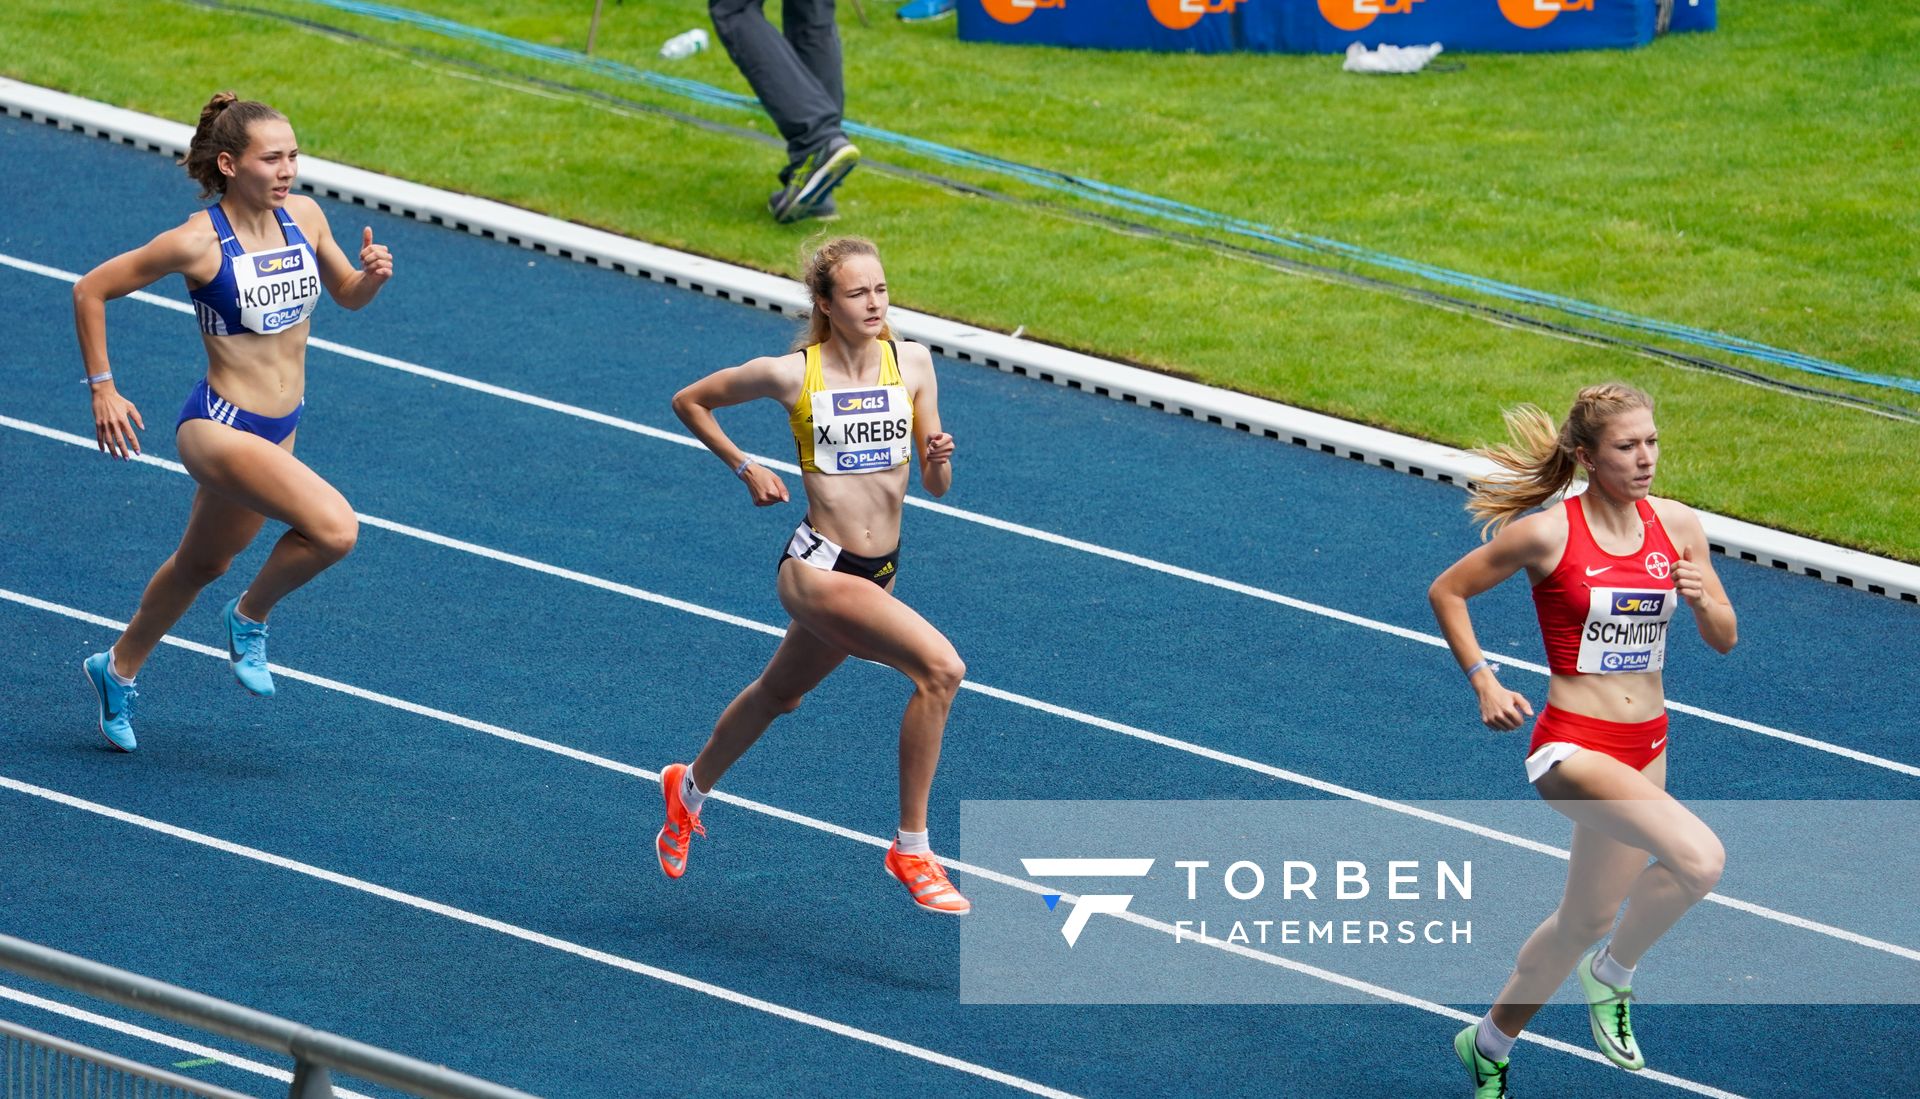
741	469
1479	664
103	376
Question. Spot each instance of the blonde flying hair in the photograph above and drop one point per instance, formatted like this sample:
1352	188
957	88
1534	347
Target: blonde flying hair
1538	458
224	122
817	273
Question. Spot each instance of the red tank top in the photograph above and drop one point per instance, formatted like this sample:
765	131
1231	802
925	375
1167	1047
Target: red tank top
1606	614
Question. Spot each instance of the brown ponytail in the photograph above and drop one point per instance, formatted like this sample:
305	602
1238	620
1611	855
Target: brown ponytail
223	128
817	273
1538	459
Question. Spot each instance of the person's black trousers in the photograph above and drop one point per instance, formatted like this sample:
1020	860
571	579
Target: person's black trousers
795	72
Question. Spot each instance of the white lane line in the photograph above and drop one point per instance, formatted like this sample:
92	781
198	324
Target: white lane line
1374	800
474	919
746	623
1365	987
256	1067
1003	525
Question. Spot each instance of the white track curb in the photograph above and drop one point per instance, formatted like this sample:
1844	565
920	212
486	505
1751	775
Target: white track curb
498	221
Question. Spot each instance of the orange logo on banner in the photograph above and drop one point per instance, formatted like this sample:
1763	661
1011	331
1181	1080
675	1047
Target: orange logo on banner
1534	14
1354	15
1016	11
1180	14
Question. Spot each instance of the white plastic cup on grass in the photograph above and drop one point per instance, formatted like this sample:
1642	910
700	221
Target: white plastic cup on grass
684	44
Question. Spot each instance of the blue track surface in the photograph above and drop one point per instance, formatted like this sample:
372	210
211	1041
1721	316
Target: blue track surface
773	909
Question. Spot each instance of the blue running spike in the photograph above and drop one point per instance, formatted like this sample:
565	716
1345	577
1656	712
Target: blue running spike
247	651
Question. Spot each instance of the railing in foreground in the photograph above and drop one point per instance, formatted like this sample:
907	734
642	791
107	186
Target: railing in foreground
39	1066
315	1052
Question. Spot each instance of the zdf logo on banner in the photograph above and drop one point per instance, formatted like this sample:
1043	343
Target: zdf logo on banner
1354	15
1016	11
1534	14
1180	14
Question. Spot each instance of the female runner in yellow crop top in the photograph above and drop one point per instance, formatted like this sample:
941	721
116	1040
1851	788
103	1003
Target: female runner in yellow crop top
859	404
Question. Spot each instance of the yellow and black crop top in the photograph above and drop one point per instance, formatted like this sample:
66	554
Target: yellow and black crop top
864	430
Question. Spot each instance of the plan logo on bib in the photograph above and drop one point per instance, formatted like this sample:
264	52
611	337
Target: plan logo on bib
854	461
1356	15
1017	11
280	318
1626	662
1181	14
1533	14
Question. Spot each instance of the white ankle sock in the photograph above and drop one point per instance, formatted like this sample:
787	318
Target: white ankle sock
242	617
117	677
691	793
1611	971
914	843
1492	1044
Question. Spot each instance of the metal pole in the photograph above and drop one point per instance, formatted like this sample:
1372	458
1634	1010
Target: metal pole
859	11
593	28
310	1081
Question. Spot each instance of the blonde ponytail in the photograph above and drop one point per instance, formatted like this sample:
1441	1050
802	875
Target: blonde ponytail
1538	459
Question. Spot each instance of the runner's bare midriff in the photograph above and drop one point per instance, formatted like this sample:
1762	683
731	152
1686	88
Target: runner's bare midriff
265	375
858	512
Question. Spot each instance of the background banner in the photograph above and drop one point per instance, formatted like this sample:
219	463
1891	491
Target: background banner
1326	26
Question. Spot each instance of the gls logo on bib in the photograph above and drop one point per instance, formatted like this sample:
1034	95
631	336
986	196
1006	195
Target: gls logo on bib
864	402
275	263
1642	603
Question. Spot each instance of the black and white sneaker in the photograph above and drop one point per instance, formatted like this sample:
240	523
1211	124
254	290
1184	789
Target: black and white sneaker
812	183
825	210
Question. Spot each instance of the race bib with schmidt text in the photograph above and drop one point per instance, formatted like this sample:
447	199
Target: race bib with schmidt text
1625	631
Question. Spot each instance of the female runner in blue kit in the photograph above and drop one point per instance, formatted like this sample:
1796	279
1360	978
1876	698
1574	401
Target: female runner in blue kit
255	263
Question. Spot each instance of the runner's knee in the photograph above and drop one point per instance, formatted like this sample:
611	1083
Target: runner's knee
779	702
942	675
336	537
199	571
1697	864
1585	928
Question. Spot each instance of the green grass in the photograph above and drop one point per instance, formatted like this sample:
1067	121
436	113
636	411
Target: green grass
1758	181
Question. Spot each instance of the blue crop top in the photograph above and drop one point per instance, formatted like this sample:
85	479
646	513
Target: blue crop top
266	291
